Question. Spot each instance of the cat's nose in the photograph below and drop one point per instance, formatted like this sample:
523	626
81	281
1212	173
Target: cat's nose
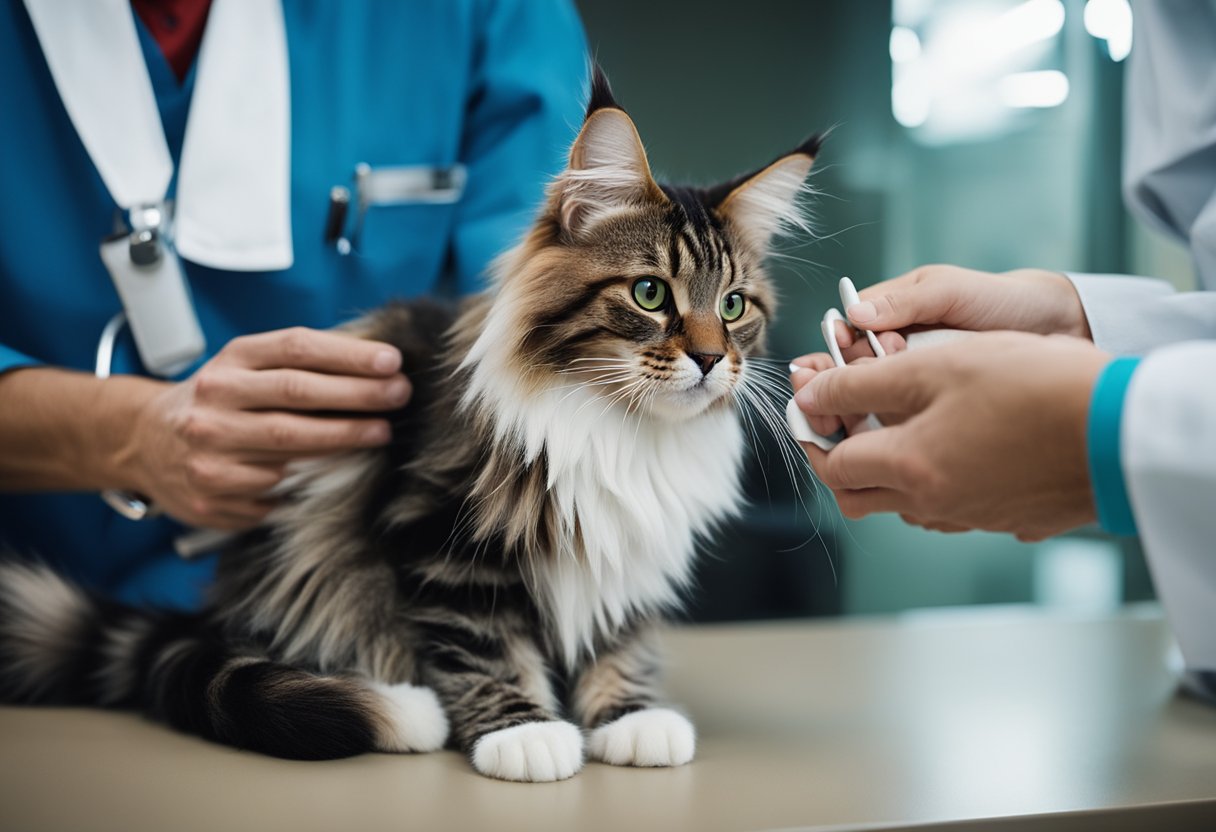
705	360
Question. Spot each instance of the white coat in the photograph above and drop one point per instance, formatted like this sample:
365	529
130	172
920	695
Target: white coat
1168	441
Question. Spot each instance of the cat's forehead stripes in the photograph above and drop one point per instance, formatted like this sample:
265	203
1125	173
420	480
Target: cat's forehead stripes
698	248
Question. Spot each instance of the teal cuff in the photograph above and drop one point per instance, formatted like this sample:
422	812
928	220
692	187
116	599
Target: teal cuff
1105	430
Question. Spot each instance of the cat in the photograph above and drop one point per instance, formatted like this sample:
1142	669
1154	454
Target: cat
493	580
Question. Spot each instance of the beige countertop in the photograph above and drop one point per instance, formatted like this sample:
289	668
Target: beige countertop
874	724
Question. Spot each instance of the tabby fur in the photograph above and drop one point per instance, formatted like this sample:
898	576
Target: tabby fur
494	578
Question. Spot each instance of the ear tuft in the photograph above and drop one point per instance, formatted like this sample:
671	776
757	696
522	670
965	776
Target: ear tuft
811	144
608	171
601	92
766	203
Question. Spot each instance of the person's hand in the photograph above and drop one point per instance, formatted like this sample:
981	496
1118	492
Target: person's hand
988	433
806	367
1025	300
208	449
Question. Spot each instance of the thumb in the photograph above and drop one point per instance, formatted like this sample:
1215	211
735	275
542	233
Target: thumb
895	307
885	386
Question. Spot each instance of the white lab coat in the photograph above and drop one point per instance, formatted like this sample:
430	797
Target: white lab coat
1168	442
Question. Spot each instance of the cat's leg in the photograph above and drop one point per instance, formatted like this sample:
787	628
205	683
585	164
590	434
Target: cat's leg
617	698
500	703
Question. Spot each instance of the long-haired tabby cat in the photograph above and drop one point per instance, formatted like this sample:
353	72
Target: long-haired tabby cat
493	579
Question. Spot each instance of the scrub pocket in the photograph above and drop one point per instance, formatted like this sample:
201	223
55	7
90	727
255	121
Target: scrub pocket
403	219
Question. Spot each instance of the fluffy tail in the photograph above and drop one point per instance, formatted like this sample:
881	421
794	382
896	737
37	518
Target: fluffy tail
62	646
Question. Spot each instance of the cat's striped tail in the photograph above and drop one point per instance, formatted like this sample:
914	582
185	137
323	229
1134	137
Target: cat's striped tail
62	646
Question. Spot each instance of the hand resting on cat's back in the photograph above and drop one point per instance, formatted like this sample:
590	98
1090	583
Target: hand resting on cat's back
494	578
208	449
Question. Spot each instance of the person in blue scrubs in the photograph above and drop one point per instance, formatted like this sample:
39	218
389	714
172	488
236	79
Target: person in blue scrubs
493	86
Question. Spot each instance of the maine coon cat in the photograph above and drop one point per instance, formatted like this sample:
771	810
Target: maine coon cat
494	578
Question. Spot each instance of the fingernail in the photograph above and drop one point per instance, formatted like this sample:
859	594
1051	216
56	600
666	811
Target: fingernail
794	368
378	433
397	391
801	377
862	312
386	361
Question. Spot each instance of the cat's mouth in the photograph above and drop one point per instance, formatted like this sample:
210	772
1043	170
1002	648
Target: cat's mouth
669	393
684	398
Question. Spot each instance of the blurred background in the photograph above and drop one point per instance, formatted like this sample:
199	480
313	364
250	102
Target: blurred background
983	133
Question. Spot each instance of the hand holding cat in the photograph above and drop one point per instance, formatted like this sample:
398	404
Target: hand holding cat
208	449
983	434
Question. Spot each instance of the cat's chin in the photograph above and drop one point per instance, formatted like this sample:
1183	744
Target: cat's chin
682	405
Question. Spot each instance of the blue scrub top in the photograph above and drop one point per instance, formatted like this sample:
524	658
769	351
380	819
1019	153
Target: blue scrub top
495	86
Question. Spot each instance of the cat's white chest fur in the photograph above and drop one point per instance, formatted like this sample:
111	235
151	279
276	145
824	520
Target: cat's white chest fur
633	493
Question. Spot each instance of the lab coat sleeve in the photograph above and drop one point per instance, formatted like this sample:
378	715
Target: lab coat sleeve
1168	449
526	101
1132	315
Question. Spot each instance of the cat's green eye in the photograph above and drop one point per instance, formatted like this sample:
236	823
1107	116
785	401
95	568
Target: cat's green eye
650	293
732	306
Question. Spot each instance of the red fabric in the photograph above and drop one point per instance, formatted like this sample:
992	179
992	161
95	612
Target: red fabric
177	26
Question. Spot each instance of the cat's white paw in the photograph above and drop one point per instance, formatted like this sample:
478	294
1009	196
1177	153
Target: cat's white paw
534	752
652	737
411	719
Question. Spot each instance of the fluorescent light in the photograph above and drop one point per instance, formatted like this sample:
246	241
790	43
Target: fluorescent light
961	71
905	45
910	102
967	43
1048	88
1031	22
1111	21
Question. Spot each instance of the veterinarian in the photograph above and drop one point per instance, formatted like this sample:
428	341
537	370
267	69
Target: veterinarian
1114	423
220	168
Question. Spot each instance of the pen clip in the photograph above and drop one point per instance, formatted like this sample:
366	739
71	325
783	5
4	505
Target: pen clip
335	218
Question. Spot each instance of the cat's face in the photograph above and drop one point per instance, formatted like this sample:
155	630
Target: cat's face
649	297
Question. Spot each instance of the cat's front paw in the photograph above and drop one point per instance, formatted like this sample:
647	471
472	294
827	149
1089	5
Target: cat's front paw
535	752
410	719
651	737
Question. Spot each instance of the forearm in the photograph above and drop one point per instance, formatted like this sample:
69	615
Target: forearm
62	430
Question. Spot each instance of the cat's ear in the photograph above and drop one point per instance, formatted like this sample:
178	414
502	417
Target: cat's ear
608	172
765	203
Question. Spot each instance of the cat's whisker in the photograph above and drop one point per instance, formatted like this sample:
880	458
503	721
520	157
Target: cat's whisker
765	402
600	367
756	444
585	385
626	395
614	399
606	372
642	407
617	377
